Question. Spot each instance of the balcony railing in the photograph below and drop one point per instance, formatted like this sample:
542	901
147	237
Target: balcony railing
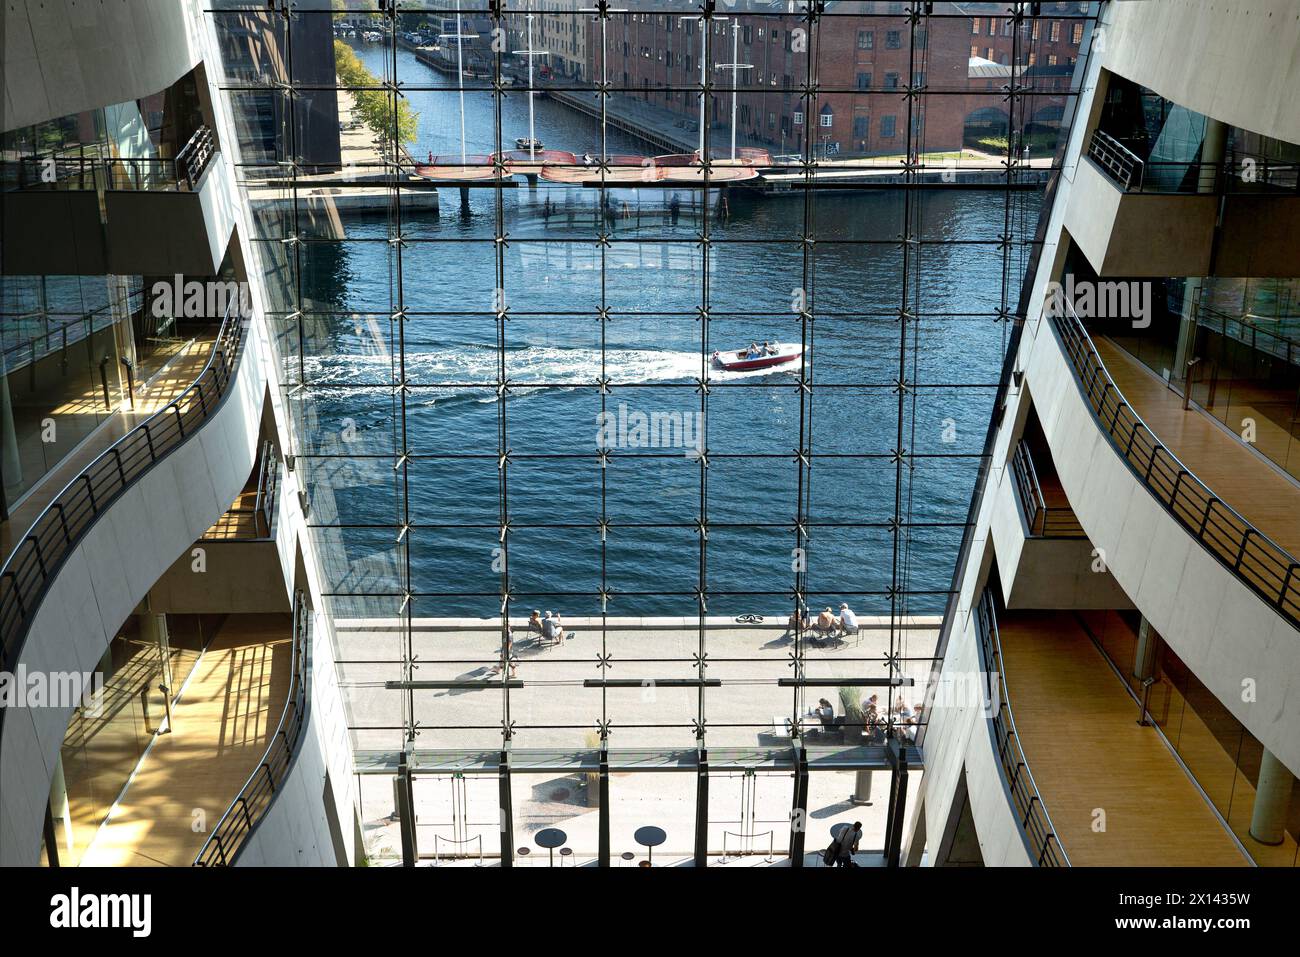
59	529
1259	562
82	171
1034	819
250	806
1239	173
256	522
1248	333
1044	521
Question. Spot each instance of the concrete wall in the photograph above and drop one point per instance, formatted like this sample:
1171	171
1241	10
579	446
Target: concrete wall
65	56
1234	60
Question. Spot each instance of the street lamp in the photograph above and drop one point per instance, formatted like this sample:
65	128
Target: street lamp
735	66
458	36
530	53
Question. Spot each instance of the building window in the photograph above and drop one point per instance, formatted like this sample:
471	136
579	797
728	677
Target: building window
866	39
1076	34
974	51
918	79
975	24
887	124
1051	59
1035	31
798	117
861	127
827	118
893	39
1056	31
891	81
864	81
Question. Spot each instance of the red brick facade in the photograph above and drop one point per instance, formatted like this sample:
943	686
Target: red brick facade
866	60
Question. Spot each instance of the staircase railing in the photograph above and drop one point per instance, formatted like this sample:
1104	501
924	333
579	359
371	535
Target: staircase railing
37	558
1255	559
1044	521
254	799
1034	819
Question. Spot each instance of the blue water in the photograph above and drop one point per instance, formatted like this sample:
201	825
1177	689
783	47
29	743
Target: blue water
653	353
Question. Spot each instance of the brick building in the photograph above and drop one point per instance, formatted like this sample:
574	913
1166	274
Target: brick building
868	57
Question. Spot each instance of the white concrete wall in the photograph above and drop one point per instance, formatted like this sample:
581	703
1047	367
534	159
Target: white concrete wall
65	56
1234	60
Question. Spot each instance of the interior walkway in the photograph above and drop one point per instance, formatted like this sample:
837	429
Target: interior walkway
220	729
1235	473
1078	728
166	385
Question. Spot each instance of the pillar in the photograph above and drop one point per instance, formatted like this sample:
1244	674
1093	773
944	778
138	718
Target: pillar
1272	800
1213	153
861	795
1144	655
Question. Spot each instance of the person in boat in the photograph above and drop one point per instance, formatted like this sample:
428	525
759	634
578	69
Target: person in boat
753	352
769	349
586	159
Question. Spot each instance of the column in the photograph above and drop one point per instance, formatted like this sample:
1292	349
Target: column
1213	154
1144	655
1272	798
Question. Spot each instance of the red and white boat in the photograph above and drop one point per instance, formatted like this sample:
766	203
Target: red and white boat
784	352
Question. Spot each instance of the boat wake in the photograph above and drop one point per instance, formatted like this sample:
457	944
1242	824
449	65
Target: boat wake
470	371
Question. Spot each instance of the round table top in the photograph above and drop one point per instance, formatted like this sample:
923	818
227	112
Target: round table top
650	836
550	837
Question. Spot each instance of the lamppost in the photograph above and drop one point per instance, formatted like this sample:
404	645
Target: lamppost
735	66
530	53
459	36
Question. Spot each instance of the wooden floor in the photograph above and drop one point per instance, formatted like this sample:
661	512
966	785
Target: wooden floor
220	730
1238	475
239	521
167	385
1078	728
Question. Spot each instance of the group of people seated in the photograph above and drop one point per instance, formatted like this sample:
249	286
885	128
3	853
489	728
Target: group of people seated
756	351
547	627
875	726
827	624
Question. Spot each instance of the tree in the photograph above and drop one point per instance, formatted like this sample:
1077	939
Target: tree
374	106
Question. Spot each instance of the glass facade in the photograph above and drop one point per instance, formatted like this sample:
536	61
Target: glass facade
514	259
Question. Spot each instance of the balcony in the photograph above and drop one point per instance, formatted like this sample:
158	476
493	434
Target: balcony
1135	218
1045	508
239	554
80	214
1076	726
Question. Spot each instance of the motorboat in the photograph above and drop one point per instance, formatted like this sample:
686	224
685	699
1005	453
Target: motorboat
779	354
524	143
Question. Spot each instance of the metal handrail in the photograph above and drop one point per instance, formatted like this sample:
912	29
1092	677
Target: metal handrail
1118	162
1034	819
250	805
1044	521
37	558
1256	560
1249	333
83	172
748	836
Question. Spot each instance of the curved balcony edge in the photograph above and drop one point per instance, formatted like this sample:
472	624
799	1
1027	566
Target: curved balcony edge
93	554
256	799
1222	595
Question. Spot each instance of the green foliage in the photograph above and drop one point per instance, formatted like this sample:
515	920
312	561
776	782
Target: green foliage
374	107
